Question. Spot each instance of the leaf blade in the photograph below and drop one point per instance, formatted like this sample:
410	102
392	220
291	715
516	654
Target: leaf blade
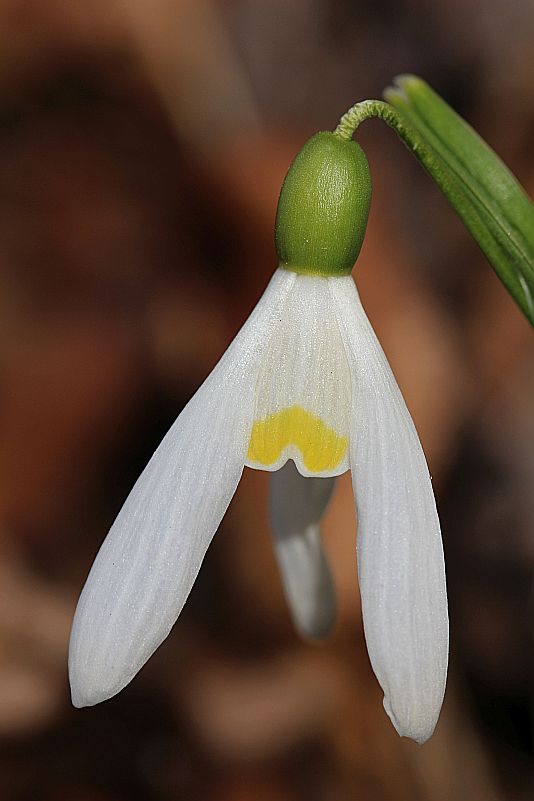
483	192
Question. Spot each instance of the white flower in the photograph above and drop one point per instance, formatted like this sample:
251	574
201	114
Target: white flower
306	380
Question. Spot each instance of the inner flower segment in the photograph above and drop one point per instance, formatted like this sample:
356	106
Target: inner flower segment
303	392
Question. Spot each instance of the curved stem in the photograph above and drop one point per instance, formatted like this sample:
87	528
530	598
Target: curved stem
361	111
366	109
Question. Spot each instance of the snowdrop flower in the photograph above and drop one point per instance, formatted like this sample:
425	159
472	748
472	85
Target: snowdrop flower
305	380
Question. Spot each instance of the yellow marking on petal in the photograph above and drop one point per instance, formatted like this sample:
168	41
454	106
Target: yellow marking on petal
321	448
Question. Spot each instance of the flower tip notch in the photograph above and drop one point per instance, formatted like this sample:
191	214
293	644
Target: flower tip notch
324	207
419	729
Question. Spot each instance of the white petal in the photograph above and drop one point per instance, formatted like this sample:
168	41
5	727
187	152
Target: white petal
297	505
400	555
146	567
302	409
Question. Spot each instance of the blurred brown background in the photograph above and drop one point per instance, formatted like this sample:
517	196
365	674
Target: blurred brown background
142	148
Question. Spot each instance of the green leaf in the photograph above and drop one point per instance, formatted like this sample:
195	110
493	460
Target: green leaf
481	189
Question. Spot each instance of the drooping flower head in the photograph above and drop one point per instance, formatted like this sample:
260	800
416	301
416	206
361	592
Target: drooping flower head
305	392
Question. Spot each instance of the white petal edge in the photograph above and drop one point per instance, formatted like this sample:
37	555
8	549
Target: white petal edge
400	555
297	505
146	566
